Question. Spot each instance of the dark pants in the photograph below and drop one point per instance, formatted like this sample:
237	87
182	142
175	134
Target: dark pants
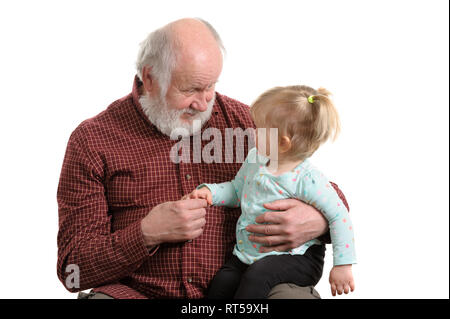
241	281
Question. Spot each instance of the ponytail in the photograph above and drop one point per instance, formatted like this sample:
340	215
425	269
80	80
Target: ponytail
327	124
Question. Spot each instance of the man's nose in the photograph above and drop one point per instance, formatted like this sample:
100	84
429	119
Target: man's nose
201	101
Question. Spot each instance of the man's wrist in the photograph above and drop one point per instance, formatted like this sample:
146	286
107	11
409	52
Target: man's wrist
149	240
150	244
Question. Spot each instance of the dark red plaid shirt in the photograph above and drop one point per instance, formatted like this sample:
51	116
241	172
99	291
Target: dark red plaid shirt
116	169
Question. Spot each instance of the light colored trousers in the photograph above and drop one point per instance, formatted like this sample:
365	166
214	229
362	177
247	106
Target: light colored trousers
281	291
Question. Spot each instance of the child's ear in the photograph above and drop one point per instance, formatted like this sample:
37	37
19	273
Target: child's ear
285	144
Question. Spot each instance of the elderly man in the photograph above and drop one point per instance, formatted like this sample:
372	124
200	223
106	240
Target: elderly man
122	224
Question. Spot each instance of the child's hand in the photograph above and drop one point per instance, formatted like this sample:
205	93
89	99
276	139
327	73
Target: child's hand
203	193
341	279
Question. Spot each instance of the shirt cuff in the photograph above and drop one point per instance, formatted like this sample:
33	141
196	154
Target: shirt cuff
133	244
204	185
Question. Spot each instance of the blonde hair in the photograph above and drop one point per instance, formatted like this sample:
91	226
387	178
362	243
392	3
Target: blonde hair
308	125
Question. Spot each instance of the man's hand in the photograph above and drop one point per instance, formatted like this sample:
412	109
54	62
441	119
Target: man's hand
292	224
174	221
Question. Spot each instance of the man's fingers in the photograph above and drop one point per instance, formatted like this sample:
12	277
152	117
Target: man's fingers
270	217
198	195
194	214
273	239
271	243
191	204
268	229
197	233
280	248
281	204
267	240
198	223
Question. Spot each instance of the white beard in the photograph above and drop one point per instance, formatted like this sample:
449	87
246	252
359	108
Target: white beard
168	120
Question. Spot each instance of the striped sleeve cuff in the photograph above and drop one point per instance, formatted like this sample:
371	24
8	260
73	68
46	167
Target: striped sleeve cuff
133	244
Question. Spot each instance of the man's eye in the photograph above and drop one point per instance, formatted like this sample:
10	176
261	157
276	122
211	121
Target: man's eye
194	90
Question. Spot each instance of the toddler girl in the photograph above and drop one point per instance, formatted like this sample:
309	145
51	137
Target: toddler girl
305	118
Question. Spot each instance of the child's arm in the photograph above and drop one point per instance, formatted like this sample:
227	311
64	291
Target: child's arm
316	190
223	194
228	193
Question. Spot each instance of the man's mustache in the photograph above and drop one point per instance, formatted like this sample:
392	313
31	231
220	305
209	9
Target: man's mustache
191	111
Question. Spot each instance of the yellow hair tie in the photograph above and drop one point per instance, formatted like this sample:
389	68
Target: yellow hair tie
311	99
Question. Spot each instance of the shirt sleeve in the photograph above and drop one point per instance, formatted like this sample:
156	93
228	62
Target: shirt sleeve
315	189
85	238
223	194
229	193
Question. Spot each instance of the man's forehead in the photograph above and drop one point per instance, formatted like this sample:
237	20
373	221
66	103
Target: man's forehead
197	72
193	78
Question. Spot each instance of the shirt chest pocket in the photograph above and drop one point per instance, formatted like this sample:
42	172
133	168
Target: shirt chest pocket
139	185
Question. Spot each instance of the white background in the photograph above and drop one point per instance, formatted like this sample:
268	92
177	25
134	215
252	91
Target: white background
385	61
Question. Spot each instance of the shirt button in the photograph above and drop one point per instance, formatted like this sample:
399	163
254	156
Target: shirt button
188	177
240	241
189	279
189	241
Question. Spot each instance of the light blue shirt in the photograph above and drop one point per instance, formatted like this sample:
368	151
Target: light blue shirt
254	186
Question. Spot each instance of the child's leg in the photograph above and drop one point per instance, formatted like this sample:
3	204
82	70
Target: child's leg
227	279
263	275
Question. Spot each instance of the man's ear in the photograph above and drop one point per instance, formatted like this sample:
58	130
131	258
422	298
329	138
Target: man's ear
148	80
285	144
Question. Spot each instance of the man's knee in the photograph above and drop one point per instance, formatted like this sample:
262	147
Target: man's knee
291	291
